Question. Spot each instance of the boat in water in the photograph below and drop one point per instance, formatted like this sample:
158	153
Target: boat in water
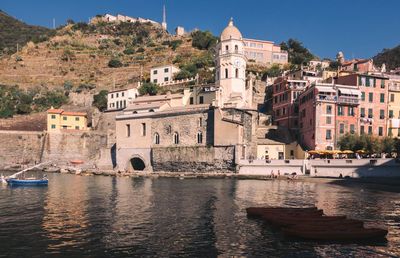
27	182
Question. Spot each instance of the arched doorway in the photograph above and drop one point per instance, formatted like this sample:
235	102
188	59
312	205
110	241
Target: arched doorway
137	164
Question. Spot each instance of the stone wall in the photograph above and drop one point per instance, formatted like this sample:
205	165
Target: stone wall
20	147
194	159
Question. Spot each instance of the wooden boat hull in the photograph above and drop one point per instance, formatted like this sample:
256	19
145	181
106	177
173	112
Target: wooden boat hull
340	224
338	235
291	221
28	182
259	211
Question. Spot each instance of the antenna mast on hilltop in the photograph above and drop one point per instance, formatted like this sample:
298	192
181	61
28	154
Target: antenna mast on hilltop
164	22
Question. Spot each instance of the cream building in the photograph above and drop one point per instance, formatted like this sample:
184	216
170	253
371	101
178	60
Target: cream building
119	99
163	74
394	107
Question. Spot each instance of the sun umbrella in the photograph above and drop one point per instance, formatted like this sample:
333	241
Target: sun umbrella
347	152
313	152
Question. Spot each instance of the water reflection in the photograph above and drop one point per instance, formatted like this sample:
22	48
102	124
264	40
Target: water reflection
119	217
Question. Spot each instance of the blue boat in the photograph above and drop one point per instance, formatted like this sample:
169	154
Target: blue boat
27	182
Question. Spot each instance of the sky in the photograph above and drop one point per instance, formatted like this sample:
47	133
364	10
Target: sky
358	28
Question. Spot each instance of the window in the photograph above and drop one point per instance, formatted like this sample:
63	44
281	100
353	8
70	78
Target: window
143	129
370	130
201	100
124	103
53	116
166	79
236	48
226	47
128	130
176	138
371	97
390	133
191	101
122	94
237	73
391	97
226	73
380	131
65	118
117	95
200	122
199	137
381	114
340	111
156	138
370	113
76	127
382	84
362	112
350	111
155	72
352	129
155	81
112	96
390	113
341	128
76	118
362	130
166	70
329	109
328	120
328	134
169	129
53	126
382	99
363	96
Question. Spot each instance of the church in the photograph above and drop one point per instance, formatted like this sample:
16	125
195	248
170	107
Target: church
177	132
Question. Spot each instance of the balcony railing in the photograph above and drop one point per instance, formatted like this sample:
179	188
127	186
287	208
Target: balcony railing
348	100
225	52
326	98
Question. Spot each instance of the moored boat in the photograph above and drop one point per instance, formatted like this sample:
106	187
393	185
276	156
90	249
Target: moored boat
27	182
323	225
332	234
259	211
293	220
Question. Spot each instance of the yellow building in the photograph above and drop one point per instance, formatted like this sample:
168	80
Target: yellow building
58	119
394	108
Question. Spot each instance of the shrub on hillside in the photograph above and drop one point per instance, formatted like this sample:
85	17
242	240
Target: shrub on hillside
149	88
203	40
129	51
115	63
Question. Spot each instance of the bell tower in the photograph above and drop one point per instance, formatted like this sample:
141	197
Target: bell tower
231	68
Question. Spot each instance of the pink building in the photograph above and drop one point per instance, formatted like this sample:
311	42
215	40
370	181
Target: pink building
327	112
373	105
265	52
285	101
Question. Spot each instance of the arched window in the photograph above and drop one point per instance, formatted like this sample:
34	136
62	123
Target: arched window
226	47
236	48
237	73
199	137
176	138
156	138
151	110
226	72
169	129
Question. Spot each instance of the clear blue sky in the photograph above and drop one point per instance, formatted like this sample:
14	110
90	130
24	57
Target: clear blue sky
359	28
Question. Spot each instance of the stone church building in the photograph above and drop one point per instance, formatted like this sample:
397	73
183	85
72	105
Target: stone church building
174	133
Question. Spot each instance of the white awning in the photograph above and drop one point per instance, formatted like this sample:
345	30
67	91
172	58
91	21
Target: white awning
350	92
325	89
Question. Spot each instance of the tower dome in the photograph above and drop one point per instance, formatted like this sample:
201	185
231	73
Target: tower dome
231	32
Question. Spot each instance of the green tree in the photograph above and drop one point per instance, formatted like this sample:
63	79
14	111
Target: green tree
149	88
100	100
203	40
273	71
298	54
388	145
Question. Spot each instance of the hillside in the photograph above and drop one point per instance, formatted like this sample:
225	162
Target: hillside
390	57
101	56
13	32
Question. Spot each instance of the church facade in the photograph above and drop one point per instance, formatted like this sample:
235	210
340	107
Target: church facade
208	135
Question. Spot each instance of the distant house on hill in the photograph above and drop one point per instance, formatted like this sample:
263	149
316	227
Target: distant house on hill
121	18
58	120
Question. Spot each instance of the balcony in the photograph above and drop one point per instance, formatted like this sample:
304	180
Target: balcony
348	100
327	98
394	87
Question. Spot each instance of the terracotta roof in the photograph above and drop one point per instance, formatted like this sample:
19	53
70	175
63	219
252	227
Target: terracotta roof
55	111
73	113
67	113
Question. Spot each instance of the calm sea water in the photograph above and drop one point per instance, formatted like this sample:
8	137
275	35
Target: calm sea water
137	217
